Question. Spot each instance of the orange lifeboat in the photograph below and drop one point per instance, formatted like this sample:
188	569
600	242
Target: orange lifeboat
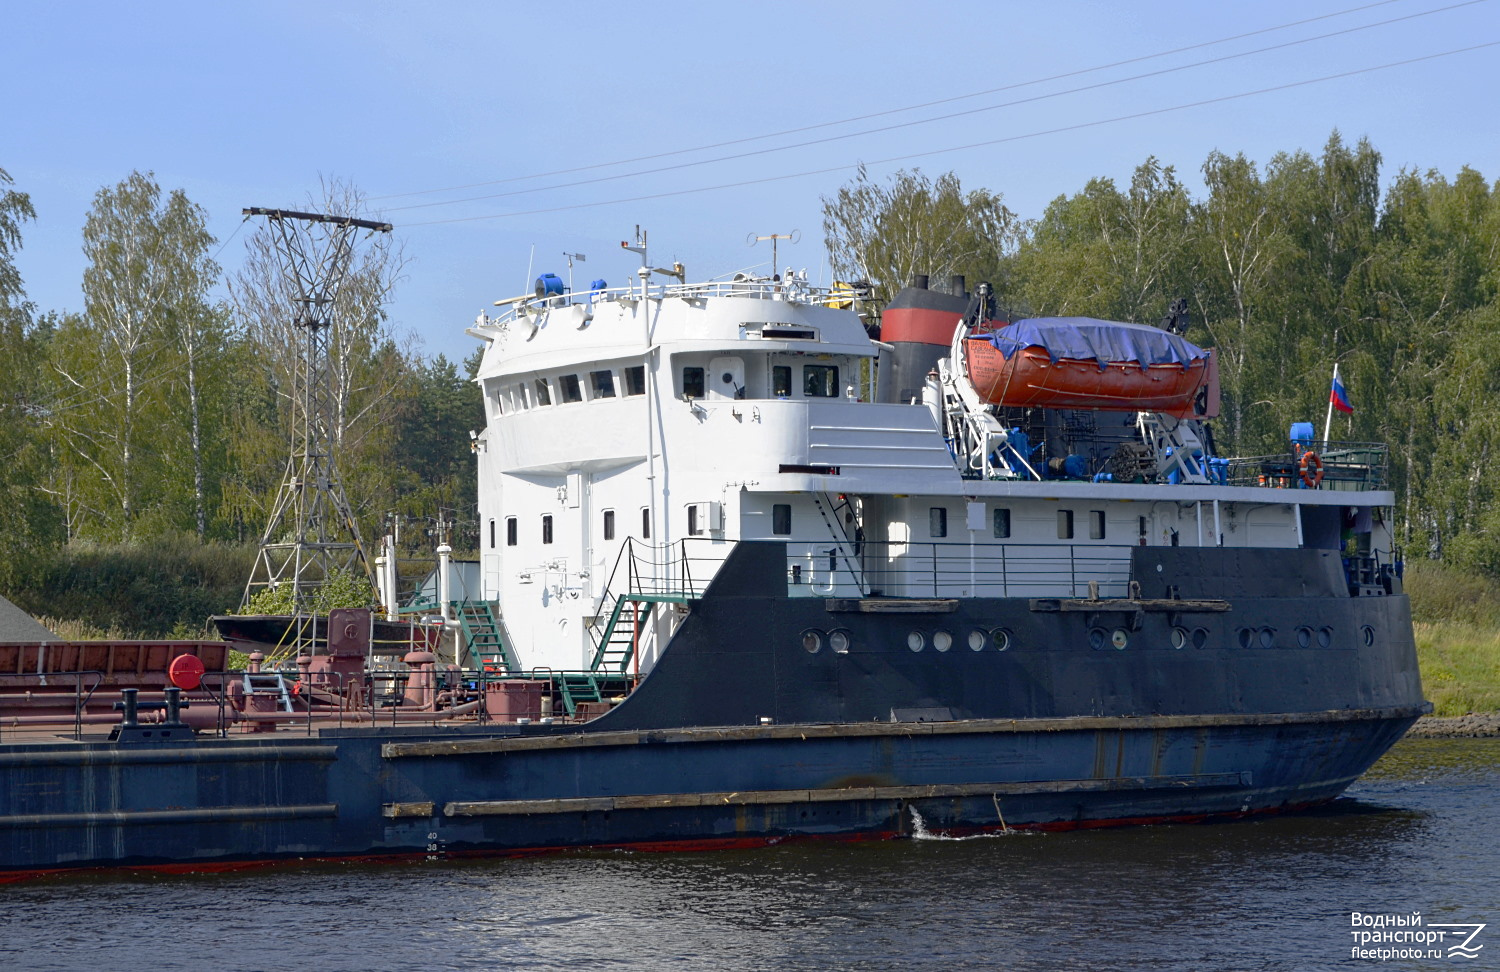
1079	362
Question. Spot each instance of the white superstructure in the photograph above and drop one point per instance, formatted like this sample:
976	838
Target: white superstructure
711	413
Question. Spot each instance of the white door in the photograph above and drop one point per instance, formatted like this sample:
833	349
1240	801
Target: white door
726	378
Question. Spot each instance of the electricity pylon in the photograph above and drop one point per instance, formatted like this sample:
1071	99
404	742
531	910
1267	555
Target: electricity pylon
311	534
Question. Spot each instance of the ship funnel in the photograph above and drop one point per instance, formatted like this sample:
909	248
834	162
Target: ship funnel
918	324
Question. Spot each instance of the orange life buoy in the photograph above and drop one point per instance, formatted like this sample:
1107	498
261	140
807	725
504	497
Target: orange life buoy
1312	469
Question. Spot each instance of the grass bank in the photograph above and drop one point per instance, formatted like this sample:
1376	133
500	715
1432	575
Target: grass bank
1457	620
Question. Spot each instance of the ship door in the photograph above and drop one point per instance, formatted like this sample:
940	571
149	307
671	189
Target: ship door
726	378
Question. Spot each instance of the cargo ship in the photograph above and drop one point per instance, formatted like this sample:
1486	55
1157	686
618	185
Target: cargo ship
749	574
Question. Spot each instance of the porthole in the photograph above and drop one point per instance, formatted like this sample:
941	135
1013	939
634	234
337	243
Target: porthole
1268	637
1368	633
1001	638
812	640
976	640
1179	638
1325	637
1304	636
1200	637
1247	637
942	640
1120	639
839	641
1098	638
915	641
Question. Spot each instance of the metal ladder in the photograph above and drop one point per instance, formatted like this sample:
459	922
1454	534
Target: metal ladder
482	635
615	648
269	683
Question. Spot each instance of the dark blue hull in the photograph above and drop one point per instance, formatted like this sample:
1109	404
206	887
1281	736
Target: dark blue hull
742	735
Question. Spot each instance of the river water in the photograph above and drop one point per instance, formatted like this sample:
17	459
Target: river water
1420	833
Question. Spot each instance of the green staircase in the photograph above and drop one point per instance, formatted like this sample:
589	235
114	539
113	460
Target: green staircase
576	687
615	647
482	635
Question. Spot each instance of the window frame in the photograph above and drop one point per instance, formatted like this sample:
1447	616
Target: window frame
826	371
778	388
634	380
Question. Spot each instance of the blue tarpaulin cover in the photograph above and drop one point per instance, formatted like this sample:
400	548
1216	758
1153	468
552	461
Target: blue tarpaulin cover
1082	338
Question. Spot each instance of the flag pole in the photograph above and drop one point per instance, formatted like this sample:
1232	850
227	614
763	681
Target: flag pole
1328	422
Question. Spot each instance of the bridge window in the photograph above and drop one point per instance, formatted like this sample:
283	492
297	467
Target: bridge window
692	382
546	528
781	519
543	394
1002	524
571	392
511	528
492	532
1096	524
609	524
1065	524
937	522
635	380
645	523
820	381
603	383
781	381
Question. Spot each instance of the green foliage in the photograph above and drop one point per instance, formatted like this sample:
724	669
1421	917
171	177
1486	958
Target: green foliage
28	519
885	234
1460	666
137	375
141	590
1122	255
342	589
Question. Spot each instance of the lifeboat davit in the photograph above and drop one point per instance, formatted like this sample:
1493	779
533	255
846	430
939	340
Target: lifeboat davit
1080	362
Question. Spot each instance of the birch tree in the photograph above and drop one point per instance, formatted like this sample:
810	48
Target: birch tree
886	234
28	519
145	286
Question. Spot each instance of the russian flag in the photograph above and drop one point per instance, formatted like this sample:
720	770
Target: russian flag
1338	397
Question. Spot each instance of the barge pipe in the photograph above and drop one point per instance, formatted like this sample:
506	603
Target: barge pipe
360	715
234	715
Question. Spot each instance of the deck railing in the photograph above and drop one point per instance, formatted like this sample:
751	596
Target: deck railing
939	569
1322	464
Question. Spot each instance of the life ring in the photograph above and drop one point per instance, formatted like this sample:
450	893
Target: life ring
1312	469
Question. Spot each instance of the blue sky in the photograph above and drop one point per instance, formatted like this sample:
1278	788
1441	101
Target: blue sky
251	104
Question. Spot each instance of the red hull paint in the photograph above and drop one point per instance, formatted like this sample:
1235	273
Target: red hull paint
1031	379
666	846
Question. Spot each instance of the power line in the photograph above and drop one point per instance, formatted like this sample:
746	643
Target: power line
894	111
958	148
937	118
